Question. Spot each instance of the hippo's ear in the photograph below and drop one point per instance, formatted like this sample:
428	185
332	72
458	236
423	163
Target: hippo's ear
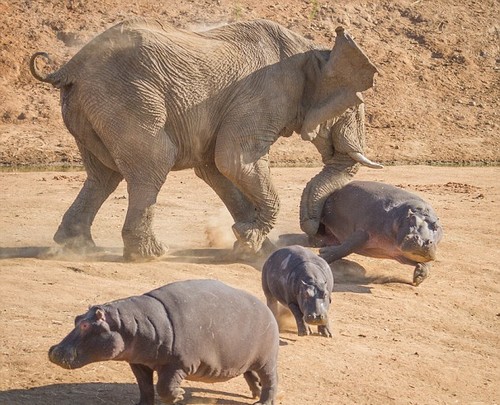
78	318
100	315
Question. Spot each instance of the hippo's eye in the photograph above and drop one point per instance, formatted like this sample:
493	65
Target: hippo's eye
433	226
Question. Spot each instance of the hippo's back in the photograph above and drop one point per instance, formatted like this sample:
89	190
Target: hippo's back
371	192
218	327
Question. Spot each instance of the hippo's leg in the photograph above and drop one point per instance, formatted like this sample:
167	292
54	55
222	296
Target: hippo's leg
144	376
269	380
169	384
350	245
271	301
420	273
324	330
302	328
253	382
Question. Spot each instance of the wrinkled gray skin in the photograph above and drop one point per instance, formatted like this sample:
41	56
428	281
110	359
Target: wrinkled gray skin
301	281
144	98
200	330
379	220
341	143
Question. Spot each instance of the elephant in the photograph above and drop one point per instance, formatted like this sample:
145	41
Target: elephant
144	98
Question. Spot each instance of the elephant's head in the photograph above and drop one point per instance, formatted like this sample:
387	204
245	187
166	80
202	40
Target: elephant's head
341	144
334	122
336	84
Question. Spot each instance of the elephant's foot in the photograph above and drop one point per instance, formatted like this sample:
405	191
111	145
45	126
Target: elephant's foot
249	238
141	248
251	242
173	397
75	241
310	226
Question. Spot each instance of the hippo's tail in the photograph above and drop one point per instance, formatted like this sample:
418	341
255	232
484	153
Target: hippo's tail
57	78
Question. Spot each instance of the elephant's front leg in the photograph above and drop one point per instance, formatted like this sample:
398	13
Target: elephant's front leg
139	241
238	205
74	230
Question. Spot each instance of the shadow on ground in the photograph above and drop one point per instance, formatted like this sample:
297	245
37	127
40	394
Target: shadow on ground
107	394
61	253
350	276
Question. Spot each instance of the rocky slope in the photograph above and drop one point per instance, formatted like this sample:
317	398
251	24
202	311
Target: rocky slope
435	101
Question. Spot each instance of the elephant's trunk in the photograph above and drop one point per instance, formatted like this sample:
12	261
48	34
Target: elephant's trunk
332	177
341	144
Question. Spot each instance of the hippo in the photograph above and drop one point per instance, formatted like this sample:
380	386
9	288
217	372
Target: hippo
200	330
301	280
380	220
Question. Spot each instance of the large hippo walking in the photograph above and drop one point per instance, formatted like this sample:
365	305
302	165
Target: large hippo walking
379	220
301	281
200	330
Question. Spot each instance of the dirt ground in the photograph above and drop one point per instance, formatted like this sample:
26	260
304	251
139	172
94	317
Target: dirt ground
436	101
392	343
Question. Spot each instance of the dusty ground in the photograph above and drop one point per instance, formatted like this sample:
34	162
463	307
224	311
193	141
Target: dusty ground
392	343
436	101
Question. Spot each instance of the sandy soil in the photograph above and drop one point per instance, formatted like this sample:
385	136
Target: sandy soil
392	343
435	101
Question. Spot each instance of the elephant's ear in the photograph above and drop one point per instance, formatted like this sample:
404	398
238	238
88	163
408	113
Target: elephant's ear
345	75
348	65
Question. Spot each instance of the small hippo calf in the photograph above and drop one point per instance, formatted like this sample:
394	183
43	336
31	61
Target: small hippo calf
201	330
302	281
379	220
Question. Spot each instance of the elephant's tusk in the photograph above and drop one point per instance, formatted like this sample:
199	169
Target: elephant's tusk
360	158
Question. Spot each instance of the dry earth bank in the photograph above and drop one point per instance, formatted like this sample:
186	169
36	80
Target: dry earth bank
392	343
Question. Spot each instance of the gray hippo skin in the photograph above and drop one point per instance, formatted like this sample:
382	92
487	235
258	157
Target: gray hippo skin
200	330
379	220
303	282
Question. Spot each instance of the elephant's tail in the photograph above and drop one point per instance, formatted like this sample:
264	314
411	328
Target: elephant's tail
57	78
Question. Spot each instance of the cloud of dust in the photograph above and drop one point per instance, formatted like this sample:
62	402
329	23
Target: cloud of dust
218	231
285	319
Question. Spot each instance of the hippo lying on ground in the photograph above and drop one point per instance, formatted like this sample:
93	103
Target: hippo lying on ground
379	220
302	281
200	330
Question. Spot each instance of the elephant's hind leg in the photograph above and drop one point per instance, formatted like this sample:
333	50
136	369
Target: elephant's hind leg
74	232
145	173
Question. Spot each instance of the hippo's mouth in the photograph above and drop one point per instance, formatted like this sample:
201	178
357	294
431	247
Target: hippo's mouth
67	360
418	254
315	320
